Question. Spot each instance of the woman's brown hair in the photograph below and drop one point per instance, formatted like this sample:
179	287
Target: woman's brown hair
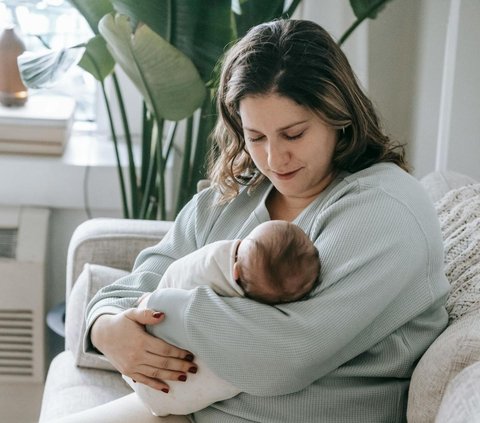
299	60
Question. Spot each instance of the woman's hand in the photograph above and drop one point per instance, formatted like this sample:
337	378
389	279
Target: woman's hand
134	352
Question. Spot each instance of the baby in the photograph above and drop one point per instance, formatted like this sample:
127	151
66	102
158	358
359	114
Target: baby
276	263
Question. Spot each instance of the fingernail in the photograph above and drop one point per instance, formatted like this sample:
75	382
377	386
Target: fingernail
157	314
182	378
189	357
192	369
165	390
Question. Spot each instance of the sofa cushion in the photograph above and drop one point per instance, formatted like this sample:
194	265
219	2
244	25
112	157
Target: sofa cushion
92	278
456	348
459	215
459	345
70	389
461	403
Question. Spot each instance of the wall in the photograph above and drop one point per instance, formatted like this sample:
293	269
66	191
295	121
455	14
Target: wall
404	50
392	64
464	153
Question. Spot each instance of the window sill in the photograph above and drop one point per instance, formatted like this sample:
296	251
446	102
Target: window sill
58	181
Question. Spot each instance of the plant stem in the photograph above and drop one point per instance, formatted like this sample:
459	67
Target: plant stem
152	169
147	126
354	26
172	129
128	140
183	188
202	146
162	210
126	213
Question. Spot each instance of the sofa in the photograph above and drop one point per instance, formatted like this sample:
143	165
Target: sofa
445	384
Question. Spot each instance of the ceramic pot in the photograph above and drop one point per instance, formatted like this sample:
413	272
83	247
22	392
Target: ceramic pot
12	90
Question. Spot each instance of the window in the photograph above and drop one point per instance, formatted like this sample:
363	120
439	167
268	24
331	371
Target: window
54	24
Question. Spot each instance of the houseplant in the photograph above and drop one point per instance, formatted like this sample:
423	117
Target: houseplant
169	49
147	39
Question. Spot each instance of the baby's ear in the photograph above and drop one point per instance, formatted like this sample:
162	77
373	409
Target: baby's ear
236	275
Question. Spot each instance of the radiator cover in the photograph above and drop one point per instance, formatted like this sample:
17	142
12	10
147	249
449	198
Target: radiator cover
23	246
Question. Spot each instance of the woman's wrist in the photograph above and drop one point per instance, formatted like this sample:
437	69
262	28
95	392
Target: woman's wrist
97	331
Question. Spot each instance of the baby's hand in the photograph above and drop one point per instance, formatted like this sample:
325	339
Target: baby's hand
143	300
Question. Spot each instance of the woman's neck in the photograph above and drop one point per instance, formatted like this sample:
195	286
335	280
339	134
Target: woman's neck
284	208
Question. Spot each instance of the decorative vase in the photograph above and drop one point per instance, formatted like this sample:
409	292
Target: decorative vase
12	90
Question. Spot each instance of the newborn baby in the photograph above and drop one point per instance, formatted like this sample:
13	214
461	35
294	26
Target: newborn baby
276	263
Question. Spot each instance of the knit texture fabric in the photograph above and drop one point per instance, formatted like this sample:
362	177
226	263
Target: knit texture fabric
459	215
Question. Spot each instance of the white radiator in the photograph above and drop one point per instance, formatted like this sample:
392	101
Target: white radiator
23	246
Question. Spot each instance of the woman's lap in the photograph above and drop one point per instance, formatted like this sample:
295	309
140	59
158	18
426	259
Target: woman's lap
123	410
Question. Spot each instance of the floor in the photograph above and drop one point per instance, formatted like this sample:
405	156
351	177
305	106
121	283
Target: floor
20	402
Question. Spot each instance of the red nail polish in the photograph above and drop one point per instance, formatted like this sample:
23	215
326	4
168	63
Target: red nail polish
192	369
165	390
189	357
158	314
182	378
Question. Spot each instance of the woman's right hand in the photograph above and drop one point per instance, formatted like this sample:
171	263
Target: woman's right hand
123	340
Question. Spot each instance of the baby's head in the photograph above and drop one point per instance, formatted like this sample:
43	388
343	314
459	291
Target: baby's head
277	263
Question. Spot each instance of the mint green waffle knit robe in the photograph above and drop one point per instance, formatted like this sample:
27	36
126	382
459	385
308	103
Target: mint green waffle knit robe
344	355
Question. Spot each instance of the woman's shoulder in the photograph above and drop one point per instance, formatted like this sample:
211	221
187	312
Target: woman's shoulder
390	181
383	191
383	176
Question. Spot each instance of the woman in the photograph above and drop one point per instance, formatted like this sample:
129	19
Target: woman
299	141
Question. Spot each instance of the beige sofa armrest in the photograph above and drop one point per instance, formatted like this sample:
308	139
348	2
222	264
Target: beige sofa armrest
455	349
110	242
92	278
100	252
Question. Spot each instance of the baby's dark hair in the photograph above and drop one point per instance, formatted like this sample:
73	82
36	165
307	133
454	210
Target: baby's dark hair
289	263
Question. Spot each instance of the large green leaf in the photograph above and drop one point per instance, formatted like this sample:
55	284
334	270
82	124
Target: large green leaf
167	79
43	69
97	60
198	30
93	10
253	12
367	8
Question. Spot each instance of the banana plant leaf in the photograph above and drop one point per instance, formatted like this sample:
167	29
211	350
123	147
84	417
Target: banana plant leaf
199	31
93	11
367	8
166	78
97	60
43	69
249	13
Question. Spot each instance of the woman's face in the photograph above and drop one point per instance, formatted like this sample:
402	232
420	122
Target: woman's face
289	144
